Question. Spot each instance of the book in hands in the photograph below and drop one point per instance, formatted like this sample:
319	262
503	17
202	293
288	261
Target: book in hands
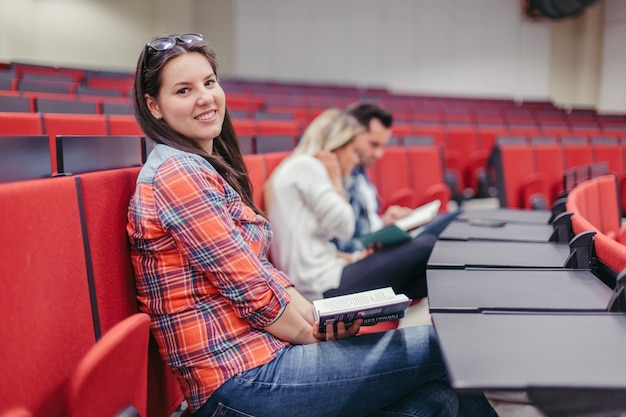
402	230
373	306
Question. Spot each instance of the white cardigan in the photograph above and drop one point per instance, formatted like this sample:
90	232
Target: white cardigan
306	211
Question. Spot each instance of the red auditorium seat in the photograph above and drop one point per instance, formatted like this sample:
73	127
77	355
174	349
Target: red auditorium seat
512	169
103	202
548	158
121	85
609	206
462	141
245	129
276	135
72	124
34	71
104	205
249	103
427	175
607	149
255	164
610	252
113	376
391	176
576	151
273	159
44	290
123	124
20	124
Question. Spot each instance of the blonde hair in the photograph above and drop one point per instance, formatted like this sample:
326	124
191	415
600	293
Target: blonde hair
332	129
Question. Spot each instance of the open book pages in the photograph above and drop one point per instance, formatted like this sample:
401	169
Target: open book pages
419	216
374	306
398	232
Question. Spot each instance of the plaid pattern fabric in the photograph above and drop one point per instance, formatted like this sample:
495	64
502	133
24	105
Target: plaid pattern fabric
358	187
199	256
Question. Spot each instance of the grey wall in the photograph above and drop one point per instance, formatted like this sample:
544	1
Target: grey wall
445	47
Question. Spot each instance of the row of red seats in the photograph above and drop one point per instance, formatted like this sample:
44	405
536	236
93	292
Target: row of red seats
594	208
297	92
523	171
409	176
465	149
96	102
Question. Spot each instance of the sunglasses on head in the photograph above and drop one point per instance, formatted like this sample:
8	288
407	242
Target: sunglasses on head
163	43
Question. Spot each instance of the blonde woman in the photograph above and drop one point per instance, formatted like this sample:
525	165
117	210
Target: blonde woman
308	209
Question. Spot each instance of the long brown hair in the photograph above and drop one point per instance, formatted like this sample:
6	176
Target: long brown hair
226	157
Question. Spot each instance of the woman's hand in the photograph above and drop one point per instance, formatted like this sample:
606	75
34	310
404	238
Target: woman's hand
353	257
394	213
338	332
331	162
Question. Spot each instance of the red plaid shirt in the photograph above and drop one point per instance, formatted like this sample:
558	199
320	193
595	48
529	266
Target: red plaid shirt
199	256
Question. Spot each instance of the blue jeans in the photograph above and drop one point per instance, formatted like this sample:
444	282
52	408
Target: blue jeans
395	373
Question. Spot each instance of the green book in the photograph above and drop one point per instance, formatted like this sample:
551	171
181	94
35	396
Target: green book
403	229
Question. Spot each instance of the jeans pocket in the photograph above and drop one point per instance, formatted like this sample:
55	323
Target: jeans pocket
225	411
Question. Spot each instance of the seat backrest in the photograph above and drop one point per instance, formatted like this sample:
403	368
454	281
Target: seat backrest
56	124
610	252
245	129
608	201
589	199
123	124
44	291
393	179
74	124
255	164
79	154
548	157
20	124
103	202
24	158
272	160
113	374
427	174
509	164
275	135
576	151
463	140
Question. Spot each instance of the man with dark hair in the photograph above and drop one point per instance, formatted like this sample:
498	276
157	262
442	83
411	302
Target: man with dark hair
361	192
